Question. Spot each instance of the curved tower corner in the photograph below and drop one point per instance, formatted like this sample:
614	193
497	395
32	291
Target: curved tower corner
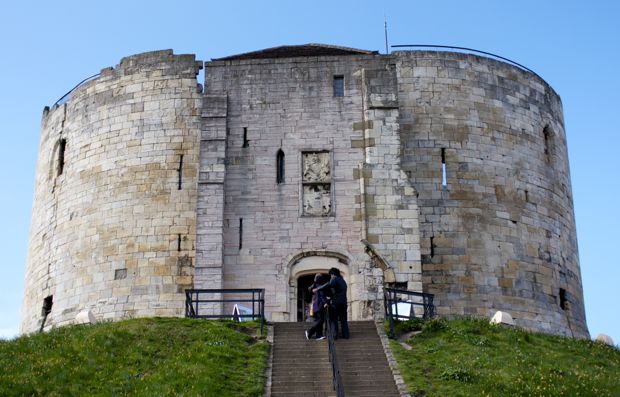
485	147
114	213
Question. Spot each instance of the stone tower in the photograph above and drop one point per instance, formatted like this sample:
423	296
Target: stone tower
434	171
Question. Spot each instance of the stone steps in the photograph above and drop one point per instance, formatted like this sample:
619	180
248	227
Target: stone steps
363	366
301	368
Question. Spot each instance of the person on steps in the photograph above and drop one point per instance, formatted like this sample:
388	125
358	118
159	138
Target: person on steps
338	308
318	308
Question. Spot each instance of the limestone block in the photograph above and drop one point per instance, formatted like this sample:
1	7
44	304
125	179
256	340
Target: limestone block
85	317
501	317
606	339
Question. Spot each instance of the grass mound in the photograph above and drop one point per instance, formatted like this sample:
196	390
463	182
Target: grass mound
139	357
470	357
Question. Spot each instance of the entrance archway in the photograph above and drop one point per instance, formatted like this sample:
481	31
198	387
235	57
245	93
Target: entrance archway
303	269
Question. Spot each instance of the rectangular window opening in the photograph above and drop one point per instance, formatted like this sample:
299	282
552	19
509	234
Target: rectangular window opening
48	302
432	246
563	299
179	242
339	86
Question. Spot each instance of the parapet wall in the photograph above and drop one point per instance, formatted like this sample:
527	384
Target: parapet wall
113	231
499	232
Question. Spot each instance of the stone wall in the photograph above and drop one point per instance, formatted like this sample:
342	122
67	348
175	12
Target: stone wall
437	171
289	105
500	234
114	232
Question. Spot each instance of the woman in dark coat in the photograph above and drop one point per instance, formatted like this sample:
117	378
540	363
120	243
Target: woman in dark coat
318	308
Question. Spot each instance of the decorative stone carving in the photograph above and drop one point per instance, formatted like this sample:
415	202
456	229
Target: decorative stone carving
316	181
317	200
316	167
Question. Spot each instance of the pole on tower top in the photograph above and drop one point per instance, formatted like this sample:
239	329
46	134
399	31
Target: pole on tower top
386	36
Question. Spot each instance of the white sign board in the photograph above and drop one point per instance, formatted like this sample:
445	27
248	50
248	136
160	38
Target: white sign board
240	310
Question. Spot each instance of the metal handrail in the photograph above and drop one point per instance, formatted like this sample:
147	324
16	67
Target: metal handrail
74	88
193	300
331	347
412	299
471	50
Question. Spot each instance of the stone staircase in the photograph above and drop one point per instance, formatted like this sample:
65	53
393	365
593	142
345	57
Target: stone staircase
364	368
301	367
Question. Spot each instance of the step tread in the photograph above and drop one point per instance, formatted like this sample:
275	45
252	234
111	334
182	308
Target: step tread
363	365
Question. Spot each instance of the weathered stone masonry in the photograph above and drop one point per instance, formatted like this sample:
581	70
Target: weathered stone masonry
444	172
113	232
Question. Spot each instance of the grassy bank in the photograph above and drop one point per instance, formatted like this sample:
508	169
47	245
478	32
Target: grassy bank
473	358
140	357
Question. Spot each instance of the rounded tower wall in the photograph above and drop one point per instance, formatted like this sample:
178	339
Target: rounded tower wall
484	145
114	214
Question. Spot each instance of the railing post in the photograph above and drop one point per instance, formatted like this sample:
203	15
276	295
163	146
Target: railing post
391	298
336	378
261	305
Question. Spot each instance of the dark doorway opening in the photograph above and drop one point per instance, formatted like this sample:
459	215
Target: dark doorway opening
304	296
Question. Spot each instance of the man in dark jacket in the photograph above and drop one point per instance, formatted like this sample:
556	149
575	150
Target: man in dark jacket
338	309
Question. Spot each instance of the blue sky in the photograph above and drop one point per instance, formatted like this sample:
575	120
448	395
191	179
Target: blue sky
48	47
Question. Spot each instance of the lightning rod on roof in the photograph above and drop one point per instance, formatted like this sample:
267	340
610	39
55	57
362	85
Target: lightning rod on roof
386	37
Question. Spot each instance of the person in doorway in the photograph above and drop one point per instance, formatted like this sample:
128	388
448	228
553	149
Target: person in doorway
338	308
318	308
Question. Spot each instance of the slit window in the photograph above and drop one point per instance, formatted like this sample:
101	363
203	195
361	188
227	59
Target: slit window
240	233
339	86
444	177
246	143
180	170
60	162
563	299
280	167
548	138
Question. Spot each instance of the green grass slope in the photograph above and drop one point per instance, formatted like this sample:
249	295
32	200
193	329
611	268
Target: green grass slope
139	357
474	358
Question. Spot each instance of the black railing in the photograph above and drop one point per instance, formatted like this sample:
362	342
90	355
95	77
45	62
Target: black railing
65	97
226	303
405	305
468	50
336	378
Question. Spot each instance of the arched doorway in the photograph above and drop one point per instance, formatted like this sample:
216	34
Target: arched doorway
304	296
303	269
